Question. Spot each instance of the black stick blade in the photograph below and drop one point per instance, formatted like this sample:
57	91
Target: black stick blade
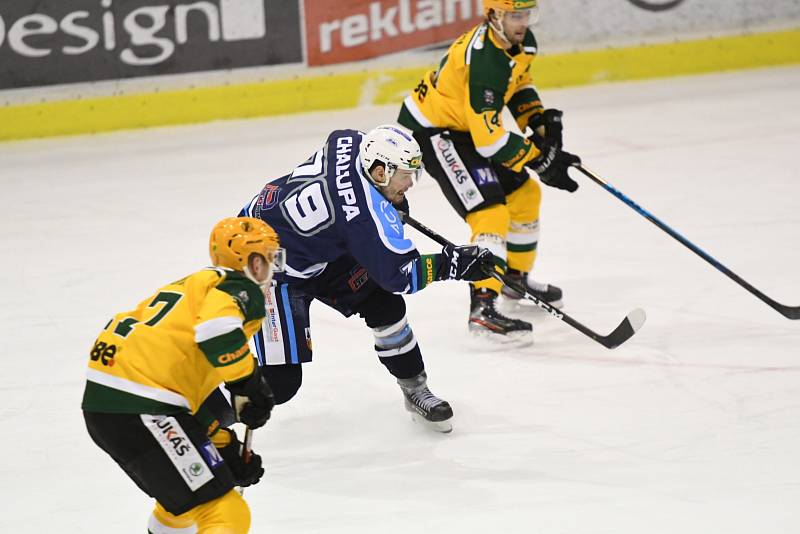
788	311
629	326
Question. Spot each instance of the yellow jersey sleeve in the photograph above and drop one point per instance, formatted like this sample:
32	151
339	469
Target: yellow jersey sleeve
228	316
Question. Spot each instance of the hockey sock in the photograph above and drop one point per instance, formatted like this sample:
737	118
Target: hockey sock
523	236
397	349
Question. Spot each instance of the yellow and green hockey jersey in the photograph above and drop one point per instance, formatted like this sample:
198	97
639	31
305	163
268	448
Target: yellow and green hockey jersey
167	355
475	79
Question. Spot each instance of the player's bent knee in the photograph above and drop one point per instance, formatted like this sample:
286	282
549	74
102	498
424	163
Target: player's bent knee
382	308
284	380
492	220
524	203
228	514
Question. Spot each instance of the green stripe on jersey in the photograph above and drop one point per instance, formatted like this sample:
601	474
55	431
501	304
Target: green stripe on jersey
227	343
407	119
103	399
509	154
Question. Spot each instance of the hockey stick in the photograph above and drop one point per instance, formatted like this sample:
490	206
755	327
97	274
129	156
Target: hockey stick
791	312
247	450
247	445
632	322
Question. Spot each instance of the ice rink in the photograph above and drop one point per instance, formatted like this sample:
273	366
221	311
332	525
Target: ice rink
693	426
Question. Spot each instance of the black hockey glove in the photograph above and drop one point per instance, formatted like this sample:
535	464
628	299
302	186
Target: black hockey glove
244	473
252	399
552	165
550	120
469	262
556	174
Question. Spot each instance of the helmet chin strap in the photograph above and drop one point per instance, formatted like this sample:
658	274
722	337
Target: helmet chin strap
264	285
496	23
388	172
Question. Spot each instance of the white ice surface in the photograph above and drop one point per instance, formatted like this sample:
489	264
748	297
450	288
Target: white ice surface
693	426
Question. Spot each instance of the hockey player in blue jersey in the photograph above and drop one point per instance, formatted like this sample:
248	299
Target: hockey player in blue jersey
345	246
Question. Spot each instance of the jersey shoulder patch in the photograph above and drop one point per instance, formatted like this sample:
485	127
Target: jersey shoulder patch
245	293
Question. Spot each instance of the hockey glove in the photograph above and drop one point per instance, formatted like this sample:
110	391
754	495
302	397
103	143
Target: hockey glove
550	121
244	473
252	399
552	164
469	262
556	174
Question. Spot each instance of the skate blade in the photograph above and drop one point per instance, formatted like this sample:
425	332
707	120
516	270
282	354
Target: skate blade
490	340
445	427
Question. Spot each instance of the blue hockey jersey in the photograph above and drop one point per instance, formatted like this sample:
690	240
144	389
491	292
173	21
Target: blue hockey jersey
327	208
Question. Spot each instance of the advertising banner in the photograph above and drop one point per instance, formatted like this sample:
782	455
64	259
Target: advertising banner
568	25
45	42
349	30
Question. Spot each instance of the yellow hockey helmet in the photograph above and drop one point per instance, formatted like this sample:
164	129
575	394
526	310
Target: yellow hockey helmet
509	5
234	239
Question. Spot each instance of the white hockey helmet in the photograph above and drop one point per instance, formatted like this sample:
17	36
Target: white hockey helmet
394	147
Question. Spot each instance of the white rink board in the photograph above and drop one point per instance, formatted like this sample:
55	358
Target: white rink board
690	427
584	24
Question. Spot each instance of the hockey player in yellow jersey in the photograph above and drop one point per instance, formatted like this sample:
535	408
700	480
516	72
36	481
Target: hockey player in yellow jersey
151	368
481	166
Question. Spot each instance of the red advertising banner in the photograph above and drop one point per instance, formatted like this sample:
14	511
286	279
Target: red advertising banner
349	30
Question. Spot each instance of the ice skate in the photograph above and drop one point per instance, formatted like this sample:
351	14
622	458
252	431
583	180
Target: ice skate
549	293
425	407
486	321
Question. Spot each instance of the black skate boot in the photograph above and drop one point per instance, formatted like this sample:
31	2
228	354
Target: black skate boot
425	407
484	319
546	292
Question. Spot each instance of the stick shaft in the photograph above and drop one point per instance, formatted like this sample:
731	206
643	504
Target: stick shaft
622	333
787	311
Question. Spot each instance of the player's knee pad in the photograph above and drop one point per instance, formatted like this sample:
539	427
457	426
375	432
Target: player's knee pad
492	220
523	204
382	308
523	235
284	380
228	514
489	230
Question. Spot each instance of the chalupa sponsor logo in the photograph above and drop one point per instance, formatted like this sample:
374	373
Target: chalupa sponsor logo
656	5
147	35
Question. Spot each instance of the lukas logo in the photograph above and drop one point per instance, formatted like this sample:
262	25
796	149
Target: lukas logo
452	162
179	444
147	35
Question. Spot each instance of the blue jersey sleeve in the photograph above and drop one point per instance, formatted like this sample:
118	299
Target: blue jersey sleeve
378	242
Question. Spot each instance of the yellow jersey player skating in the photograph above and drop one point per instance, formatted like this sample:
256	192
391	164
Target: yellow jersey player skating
481	167
151	369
